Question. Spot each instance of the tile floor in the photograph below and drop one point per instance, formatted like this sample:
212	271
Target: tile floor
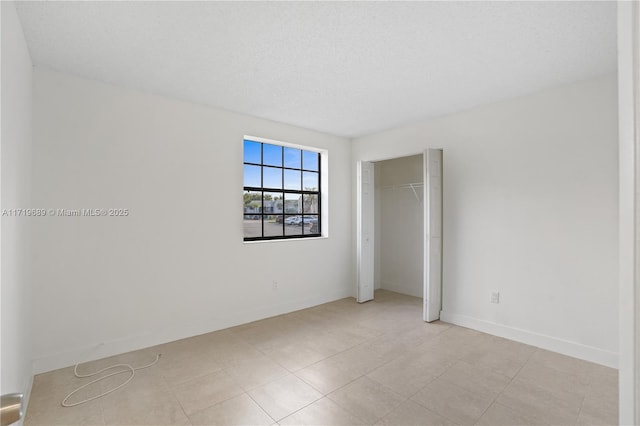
338	364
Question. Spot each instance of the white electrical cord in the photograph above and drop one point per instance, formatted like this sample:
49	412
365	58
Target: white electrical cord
129	369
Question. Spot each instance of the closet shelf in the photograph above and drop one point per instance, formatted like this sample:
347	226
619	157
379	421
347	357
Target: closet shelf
413	187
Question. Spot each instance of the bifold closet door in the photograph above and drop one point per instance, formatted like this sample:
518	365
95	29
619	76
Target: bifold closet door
365	227
432	234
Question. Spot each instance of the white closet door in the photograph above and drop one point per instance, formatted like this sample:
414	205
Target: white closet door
365	228
432	234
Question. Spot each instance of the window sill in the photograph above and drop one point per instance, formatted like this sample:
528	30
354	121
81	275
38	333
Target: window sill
286	240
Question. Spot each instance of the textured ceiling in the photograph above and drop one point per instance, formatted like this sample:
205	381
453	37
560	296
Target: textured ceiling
345	68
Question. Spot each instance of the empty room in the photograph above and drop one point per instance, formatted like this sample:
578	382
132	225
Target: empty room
320	213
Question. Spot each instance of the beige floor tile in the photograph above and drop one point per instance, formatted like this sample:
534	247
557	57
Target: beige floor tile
537	403
456	334
456	342
385	323
410	413
143	402
476	379
355	332
49	411
46	383
605	377
366	399
292	327
361	359
600	407
500	355
429	360
325	316
586	418
220	346
51	388
405	375
263	335
323	412
605	387
178	367
284	396
295	356
388	347
238	411
197	344
254	372
328	343
234	351
327	375
421	332
453	402
124	382
562	383
563	363
206	391
499	415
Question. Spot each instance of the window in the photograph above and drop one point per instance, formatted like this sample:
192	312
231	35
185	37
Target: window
281	192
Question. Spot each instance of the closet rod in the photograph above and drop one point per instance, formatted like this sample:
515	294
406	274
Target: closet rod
413	187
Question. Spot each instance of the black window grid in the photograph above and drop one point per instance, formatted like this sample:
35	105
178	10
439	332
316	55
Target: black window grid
262	190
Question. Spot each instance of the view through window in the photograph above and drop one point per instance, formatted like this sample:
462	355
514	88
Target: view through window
281	192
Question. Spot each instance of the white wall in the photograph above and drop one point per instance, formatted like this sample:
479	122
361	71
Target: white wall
399	225
15	171
530	210
177	265
629	159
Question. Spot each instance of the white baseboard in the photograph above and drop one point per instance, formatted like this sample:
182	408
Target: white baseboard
402	289
26	395
179	331
565	347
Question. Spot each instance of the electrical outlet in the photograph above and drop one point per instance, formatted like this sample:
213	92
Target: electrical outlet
495	297
275	285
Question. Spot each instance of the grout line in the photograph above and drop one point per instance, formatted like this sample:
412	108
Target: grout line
260	406
511	379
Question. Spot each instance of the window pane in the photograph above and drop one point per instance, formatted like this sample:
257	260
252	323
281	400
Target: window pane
273	202
292	179
310	160
310	224
292	203
277	208
272	228
252	176
309	181
272	177
310	203
252	152
252	226
272	155
292	225
252	202
292	158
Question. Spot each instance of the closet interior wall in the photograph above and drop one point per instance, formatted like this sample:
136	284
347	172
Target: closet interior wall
399	225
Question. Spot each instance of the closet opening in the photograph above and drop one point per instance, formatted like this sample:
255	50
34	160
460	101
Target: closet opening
399	228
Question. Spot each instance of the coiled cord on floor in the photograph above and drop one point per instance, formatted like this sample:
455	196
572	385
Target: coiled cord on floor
129	369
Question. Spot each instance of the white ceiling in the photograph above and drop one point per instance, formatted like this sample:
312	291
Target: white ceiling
345	68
